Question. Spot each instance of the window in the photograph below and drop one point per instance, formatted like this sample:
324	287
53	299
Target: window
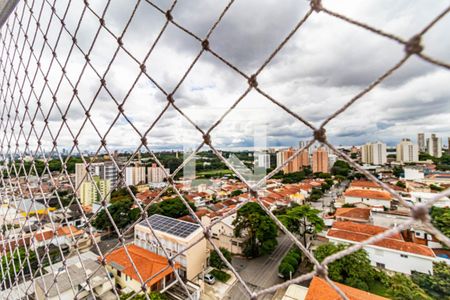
404	255
119	274
417	233
234	243
381	266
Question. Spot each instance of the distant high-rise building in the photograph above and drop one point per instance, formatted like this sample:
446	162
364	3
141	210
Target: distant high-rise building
434	146
407	151
302	144
421	142
320	160
296	164
156	174
374	153
263	160
104	170
448	145
95	191
135	175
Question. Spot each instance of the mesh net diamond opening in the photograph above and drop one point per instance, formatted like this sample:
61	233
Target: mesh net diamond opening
93	93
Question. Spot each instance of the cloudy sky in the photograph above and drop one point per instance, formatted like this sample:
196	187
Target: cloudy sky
322	66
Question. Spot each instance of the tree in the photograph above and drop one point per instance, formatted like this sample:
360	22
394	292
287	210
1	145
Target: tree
121	213
436	285
341	168
353	269
302	220
236	193
13	262
440	217
398	171
215	260
259	229
436	188
174	208
316	194
401	287
400	184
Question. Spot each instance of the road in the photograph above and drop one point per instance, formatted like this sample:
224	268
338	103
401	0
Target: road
261	272
324	203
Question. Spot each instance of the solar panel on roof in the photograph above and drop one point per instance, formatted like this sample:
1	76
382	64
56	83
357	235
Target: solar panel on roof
172	226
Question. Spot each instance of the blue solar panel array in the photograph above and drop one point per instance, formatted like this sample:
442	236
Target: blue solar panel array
170	225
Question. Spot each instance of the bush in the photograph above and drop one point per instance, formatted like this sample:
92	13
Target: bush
289	264
290	260
216	262
286	270
220	275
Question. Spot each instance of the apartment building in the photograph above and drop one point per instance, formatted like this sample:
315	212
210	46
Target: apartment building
296	164
156	174
407	151
175	236
374	153
104	170
263	160
95	191
434	146
320	161
135	175
421	142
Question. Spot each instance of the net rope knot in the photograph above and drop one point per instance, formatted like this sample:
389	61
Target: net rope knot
413	46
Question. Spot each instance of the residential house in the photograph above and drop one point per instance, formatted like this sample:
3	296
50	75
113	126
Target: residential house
71	283
319	289
222	233
175	236
135	264
377	200
392	253
353	214
64	235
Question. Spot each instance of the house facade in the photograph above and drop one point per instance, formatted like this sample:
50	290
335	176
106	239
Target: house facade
175	236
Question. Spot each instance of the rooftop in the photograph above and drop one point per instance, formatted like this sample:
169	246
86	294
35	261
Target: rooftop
356	232
172	226
353	213
380	195
77	277
148	264
319	289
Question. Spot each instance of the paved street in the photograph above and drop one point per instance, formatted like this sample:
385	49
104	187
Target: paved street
261	272
324	203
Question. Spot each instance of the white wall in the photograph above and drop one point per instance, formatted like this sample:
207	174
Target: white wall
393	260
368	201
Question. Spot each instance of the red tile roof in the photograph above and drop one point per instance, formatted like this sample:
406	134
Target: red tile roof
147	263
360	232
319	289
379	195
364	184
353	213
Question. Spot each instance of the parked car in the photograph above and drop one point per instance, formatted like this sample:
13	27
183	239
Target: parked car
209	278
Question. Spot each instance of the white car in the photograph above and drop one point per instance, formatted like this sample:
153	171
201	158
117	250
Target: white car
209	278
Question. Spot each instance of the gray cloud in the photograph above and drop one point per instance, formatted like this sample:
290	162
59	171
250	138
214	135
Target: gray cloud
324	65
